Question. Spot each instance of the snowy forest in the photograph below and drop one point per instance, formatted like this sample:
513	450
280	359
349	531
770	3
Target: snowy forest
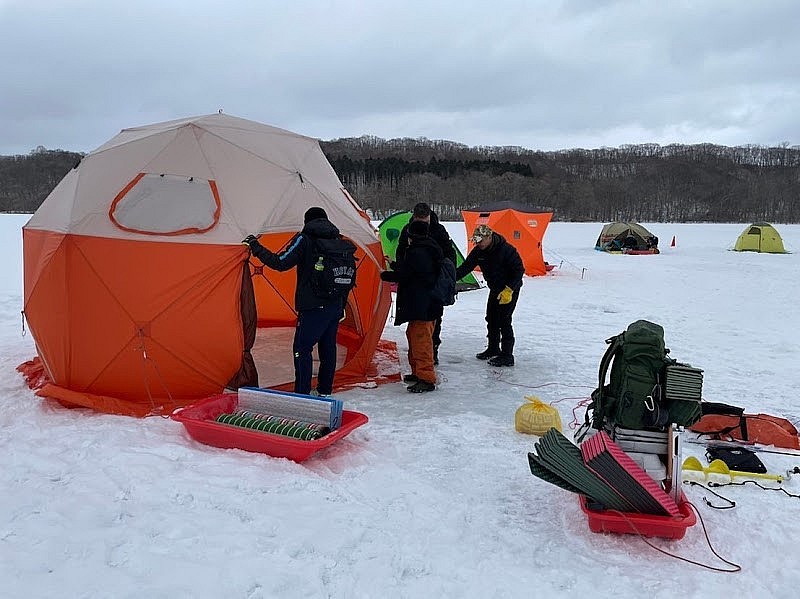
645	182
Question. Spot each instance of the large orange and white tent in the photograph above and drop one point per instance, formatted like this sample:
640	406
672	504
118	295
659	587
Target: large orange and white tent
138	291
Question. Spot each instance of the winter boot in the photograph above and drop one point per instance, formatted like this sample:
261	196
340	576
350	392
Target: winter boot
506	356
490	352
421	387
410	378
502	360
492	347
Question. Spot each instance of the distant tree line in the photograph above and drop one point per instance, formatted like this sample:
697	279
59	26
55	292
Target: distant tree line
646	182
25	181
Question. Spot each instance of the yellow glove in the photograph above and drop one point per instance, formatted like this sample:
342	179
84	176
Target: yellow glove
504	297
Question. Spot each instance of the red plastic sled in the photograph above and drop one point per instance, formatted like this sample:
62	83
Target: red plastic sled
198	419
668	527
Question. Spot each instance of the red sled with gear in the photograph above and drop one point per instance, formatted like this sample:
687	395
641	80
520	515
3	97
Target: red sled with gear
200	422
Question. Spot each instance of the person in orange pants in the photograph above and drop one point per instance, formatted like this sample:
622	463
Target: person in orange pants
415	275
419	334
439	234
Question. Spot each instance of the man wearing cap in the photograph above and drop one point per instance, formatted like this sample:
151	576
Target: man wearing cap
437	232
502	269
317	318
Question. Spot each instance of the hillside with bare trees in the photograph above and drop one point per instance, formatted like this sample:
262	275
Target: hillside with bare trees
646	182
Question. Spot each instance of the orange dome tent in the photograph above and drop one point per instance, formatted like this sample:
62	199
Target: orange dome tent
522	226
138	292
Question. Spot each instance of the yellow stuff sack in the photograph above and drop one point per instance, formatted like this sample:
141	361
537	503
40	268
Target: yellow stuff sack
536	417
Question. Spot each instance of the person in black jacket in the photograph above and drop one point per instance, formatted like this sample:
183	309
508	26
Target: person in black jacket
630	243
415	275
502	269
437	232
317	318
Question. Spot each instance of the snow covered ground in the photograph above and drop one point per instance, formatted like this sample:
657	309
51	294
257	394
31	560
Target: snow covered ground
433	497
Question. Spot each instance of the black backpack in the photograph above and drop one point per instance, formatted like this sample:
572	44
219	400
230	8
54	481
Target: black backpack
444	288
334	271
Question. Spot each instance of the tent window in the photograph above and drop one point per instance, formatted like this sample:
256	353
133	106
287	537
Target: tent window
754	231
161	204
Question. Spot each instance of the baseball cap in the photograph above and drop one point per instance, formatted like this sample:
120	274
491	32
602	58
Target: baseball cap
481	232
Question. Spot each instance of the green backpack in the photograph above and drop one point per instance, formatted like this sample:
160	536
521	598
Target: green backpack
633	397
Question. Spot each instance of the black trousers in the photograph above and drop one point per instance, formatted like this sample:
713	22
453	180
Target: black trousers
500	332
437	333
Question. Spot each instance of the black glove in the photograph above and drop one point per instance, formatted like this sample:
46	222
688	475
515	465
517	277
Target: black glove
250	240
385	276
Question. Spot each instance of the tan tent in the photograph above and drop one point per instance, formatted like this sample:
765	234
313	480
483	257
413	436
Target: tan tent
626	237
138	291
760	237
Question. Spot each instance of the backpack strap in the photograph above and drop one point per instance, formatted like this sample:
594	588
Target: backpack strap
597	405
614	343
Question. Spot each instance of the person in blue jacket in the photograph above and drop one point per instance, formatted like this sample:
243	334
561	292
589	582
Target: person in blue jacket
502	269
317	318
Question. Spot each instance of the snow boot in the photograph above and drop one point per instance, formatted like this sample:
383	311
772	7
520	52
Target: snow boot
421	387
490	352
506	356
410	378
502	360
492	347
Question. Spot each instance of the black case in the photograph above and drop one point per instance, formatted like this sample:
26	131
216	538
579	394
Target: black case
741	459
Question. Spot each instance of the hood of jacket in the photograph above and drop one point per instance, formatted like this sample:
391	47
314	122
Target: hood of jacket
320	228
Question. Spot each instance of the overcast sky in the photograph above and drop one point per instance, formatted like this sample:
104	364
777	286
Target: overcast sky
542	74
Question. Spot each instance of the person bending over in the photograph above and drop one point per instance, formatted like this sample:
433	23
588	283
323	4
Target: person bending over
502	269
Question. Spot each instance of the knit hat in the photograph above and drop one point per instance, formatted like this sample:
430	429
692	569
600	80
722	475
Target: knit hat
417	228
480	233
313	213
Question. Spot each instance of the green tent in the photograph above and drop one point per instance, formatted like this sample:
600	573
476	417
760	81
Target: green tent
390	236
760	237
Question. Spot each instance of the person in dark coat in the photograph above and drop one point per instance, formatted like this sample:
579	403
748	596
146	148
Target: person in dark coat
415	275
629	243
437	232
317	318
502	269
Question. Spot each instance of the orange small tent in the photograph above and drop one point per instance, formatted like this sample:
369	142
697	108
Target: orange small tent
138	292
522	226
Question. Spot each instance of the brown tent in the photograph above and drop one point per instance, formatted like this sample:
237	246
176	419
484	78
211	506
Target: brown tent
626	237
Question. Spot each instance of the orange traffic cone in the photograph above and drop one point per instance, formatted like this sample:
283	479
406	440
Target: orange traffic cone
672	245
